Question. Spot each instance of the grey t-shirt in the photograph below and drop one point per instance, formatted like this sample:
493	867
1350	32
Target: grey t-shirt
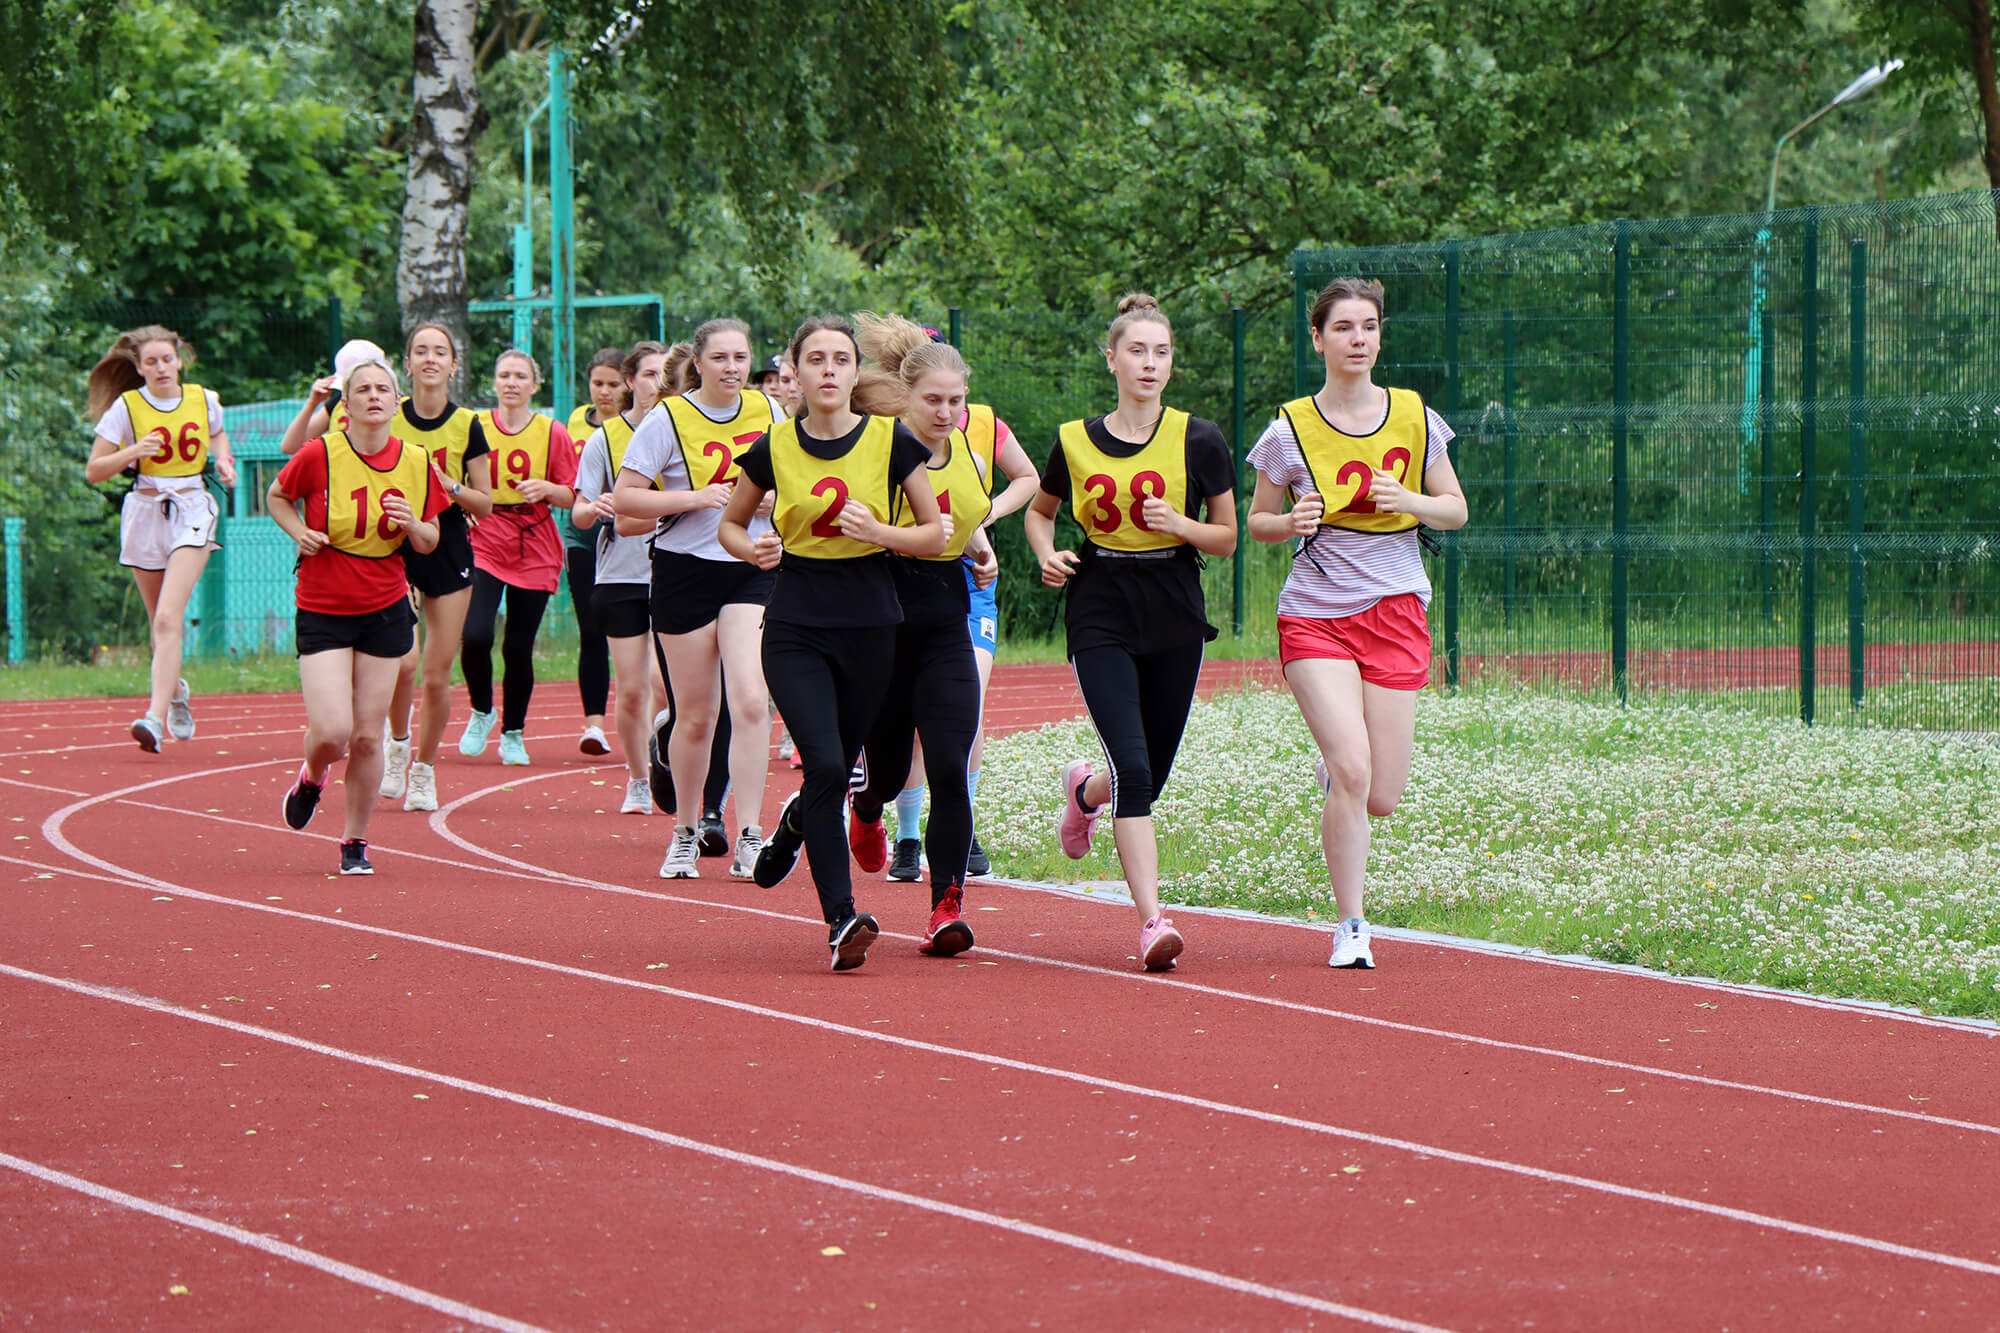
655	451
619	559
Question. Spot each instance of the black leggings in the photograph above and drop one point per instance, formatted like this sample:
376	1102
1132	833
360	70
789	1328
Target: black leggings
517	650
716	789
1139	705
593	654
933	695
829	685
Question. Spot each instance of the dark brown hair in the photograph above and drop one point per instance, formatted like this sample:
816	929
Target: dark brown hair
1344	289
613	357
435	327
630	367
820	324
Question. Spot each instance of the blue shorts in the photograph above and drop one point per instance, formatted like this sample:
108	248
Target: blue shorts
982	620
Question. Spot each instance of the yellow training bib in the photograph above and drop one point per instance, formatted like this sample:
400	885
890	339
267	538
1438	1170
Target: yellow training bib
355	522
709	448
617	439
1342	464
185	450
982	433
812	491
1108	494
516	458
961	492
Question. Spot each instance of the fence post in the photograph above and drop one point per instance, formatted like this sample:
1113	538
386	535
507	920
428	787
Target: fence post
1808	462
333	338
1451	556
1621	407
1857	461
1507	466
1236	403
17	602
562	240
955	327
1767	501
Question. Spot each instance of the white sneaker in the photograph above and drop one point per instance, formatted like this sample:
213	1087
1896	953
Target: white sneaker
1351	945
638	798
395	768
593	742
743	865
180	717
423	792
683	853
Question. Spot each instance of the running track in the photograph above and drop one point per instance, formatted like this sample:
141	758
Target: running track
514	1080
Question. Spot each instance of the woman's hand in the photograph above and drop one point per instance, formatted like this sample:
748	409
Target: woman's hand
1390	495
766	550
225	470
858	522
310	541
1306	514
1162	517
397	510
322	390
767	505
985	567
1058	567
716	496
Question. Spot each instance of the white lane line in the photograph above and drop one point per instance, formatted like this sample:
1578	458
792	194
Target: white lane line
1407	1146
128	744
360	1277
979	1217
38	786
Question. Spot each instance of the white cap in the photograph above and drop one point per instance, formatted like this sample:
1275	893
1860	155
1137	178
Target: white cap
354	352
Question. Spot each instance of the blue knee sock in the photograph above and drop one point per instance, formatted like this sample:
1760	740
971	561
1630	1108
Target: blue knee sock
972	786
909	804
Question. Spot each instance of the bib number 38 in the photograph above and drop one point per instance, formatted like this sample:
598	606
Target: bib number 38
1107	515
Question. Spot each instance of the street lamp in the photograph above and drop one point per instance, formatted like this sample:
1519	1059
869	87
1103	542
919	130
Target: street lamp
1862	85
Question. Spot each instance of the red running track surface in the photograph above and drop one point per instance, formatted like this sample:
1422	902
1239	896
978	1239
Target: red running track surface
514	1080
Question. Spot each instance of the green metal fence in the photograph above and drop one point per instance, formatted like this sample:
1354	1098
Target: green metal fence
1753	456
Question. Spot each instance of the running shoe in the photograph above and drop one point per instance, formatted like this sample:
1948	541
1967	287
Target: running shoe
1076	827
396	768
659	777
682	854
907	865
1159	945
780	851
638	798
423	792
1352	945
743	865
354	857
976	862
513	749
593	742
947	934
180	717
147	731
797	761
477	727
714	837
302	800
850	939
868	842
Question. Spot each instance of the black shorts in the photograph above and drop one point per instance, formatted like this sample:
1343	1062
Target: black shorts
622	610
448	569
390	632
689	592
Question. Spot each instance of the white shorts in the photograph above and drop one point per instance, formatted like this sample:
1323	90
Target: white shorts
155	524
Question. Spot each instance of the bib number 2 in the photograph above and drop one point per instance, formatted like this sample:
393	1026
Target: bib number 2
1354	470
828	522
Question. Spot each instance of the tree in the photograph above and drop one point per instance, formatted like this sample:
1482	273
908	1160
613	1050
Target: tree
444	128
1948	48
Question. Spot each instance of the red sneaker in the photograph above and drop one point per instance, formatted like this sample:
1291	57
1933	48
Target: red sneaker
947	934
868	842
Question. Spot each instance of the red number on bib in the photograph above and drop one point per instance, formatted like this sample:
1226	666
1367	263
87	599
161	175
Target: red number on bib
828	523
944	502
715	447
442	453
1146	484
1104	491
519	467
166	454
383	527
1356	470
360	497
190	441
1401	468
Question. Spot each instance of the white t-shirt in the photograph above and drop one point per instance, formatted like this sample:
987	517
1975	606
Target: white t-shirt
116	426
1343	572
619	559
655	451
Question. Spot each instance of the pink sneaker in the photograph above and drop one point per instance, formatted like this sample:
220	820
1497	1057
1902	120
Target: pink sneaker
1076	826
1159	944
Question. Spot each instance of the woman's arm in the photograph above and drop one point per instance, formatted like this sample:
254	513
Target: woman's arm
640	508
280	507
107	460
1271	522
224	456
312	420
420	533
1057	566
475	493
1022	480
927	536
537	489
1215	537
1442	506
733	531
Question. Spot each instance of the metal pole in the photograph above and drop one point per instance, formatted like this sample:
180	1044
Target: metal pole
1507	516
1808	460
17	602
1857	461
955	327
562	239
333	338
1621	408
1767	498
1236	450
1451	556
524	237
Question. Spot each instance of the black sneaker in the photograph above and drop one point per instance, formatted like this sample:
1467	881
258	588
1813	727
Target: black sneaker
354	857
714	837
781	850
850	939
301	801
975	860
907	864
661	777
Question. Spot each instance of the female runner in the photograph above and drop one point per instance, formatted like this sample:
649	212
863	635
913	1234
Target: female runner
354	617
623	566
1352	639
442	578
150	423
933	693
516	554
593	660
1135	619
826	654
708	606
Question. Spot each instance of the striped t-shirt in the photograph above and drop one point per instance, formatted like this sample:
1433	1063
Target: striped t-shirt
1343	573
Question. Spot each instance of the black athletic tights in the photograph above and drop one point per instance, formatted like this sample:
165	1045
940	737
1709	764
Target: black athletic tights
829	685
593	654
716	789
517	650
934	695
1139	705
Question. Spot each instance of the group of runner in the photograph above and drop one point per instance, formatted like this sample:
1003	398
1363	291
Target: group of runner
732	550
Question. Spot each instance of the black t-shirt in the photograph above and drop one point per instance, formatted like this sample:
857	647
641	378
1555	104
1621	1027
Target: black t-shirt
452	526
835	594
1142	601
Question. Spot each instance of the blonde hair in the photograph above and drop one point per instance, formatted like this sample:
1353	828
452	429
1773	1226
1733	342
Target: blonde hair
533	365
903	353
674	376
699	344
117	371
629	366
1344	289
1136	308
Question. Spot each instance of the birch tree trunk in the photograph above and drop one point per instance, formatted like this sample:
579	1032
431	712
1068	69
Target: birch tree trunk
444	128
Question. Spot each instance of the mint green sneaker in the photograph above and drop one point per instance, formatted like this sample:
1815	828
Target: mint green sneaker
477	727
513	748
